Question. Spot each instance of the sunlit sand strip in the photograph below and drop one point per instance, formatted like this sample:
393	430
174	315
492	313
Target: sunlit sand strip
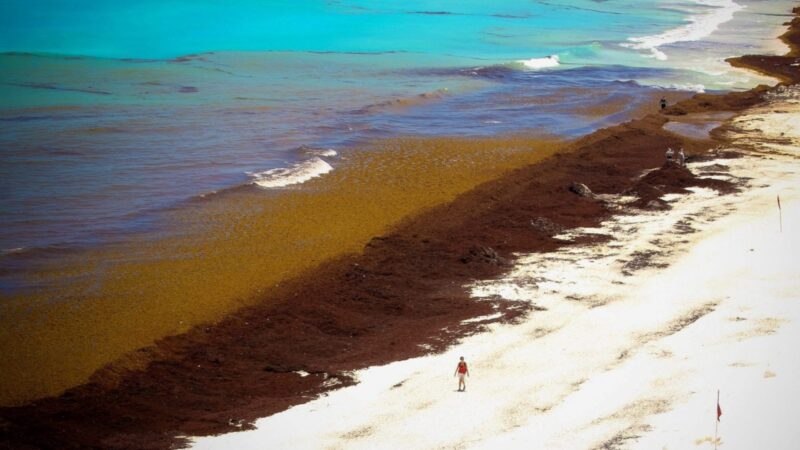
630	340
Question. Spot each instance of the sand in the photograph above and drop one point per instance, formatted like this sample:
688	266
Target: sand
619	354
606	320
612	360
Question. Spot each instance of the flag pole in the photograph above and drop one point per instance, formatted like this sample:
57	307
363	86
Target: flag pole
716	422
780	213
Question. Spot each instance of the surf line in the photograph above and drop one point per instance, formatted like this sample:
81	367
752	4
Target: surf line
699	26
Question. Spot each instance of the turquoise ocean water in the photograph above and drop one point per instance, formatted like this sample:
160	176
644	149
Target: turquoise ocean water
111	112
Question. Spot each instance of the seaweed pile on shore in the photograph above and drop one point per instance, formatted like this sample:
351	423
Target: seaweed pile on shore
402	297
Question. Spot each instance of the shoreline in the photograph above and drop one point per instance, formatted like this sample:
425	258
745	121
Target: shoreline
390	303
145	293
632	336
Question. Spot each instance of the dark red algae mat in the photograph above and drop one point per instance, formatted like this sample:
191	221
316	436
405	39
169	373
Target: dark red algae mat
402	297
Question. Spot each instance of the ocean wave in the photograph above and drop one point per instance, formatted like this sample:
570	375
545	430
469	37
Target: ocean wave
306	151
299	173
507	70
690	87
55	87
699	26
540	63
405	102
496	72
52	250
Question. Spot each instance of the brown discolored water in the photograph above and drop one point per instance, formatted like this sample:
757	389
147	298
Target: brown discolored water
230	250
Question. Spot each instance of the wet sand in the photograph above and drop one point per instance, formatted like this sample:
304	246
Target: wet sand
407	294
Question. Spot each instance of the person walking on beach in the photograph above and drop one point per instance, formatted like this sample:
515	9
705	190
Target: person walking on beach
462	371
681	158
670	154
663	103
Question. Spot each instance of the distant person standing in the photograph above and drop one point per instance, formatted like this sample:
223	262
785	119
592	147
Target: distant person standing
681	158
461	371
663	103
670	153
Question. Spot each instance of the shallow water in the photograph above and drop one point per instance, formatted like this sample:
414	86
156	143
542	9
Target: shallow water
146	150
697	125
95	144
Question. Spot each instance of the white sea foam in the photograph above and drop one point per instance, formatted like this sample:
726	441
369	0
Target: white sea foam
693	87
699	26
299	173
307	151
690	87
540	63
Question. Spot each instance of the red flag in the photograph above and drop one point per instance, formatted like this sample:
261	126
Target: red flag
719	410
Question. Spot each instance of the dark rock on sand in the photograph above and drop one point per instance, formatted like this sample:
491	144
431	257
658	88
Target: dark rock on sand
546	226
581	189
484	254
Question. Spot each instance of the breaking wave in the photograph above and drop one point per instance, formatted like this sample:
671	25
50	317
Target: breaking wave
296	174
306	151
540	63
699	26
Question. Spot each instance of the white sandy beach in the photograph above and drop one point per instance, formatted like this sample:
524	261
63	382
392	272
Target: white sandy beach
634	338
